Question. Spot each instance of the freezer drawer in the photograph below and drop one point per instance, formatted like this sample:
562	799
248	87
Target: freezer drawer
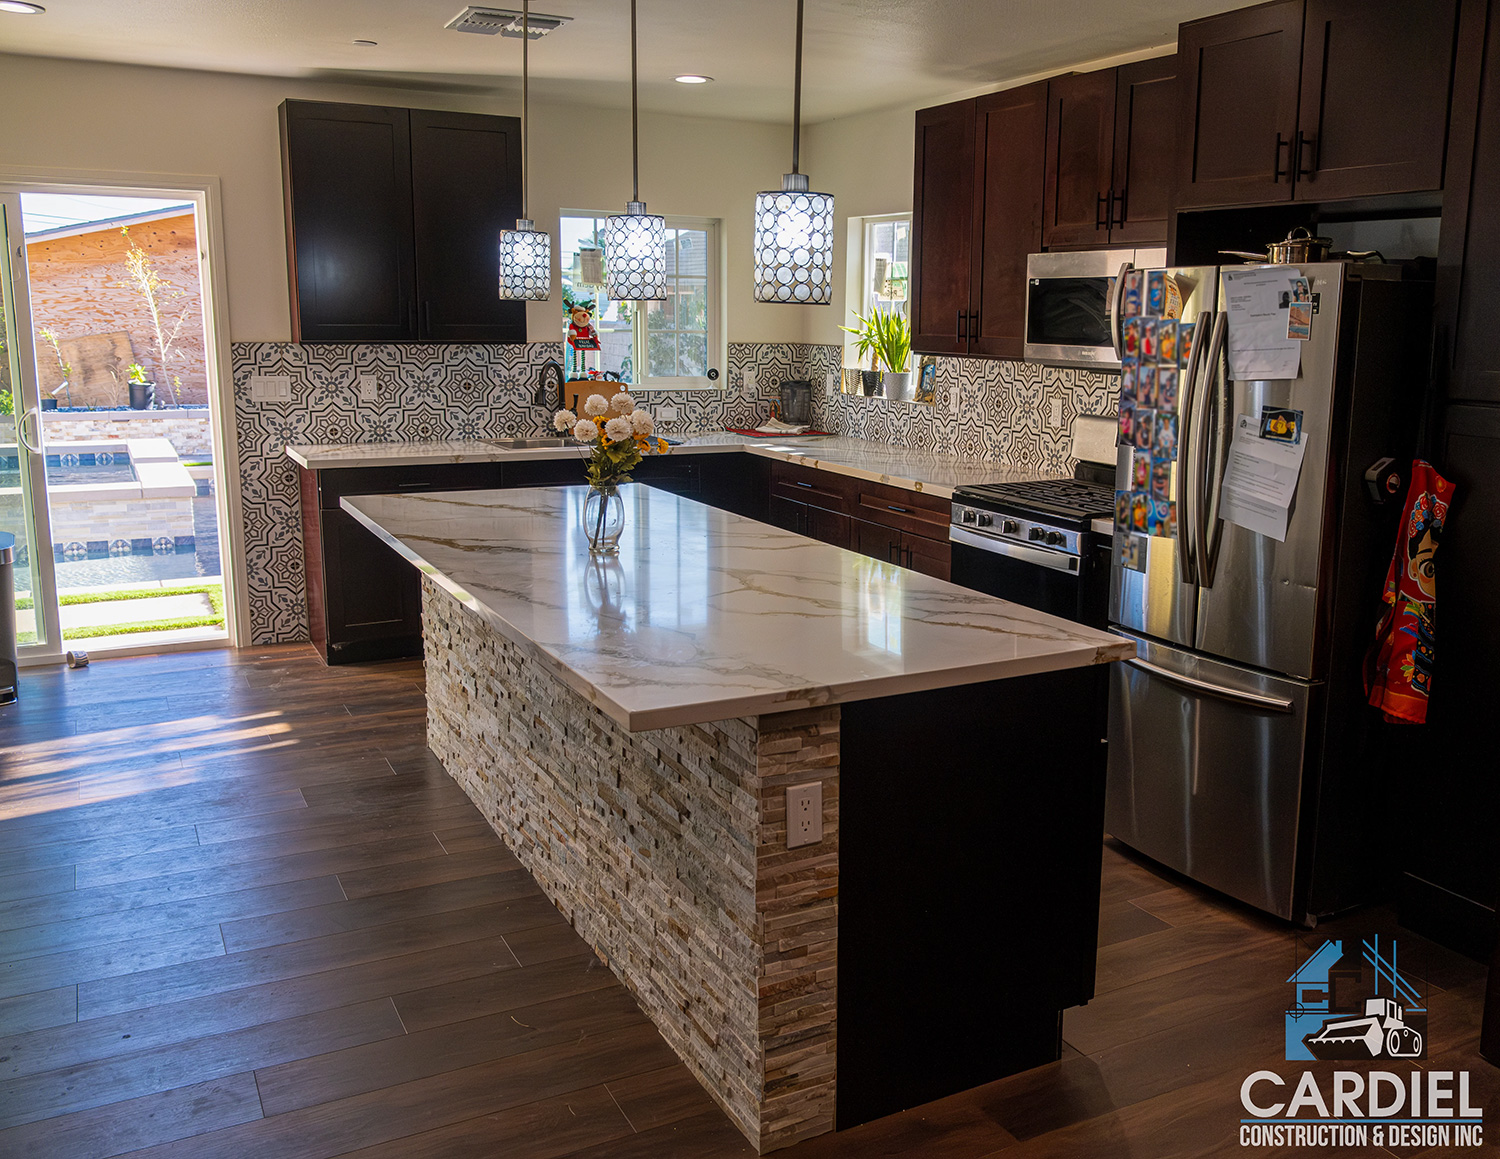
1206	770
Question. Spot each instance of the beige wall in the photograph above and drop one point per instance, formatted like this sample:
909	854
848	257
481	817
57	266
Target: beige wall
73	115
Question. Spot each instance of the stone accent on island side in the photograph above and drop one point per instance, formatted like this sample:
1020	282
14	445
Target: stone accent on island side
666	849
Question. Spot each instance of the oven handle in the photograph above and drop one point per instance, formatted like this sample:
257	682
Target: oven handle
1056	560
1237	695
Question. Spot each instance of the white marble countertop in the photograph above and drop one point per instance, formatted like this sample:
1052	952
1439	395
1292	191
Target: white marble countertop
932	472
706	615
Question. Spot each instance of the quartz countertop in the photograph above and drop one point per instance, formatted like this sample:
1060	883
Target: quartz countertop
932	472
705	615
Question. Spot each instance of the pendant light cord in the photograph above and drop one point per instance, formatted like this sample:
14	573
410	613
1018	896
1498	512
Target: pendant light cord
796	96
635	125
525	121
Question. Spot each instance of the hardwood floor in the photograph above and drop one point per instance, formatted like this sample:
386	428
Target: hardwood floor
243	912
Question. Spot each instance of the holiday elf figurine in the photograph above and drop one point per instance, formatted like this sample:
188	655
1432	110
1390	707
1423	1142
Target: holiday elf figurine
582	337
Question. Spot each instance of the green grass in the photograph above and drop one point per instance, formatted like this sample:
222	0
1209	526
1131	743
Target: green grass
214	592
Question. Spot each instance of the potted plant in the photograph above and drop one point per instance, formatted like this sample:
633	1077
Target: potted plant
142	389
886	337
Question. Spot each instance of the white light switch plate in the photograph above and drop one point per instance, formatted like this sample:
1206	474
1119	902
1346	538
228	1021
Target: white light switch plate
270	387
369	388
832	385
804	814
752	380
1056	412
667	413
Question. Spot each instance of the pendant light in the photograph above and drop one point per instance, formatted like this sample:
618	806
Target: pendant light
794	228
635	242
525	252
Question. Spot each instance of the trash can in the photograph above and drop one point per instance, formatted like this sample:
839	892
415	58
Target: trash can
9	681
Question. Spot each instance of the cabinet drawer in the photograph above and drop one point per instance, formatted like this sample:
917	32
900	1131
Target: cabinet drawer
816	488
910	511
335	484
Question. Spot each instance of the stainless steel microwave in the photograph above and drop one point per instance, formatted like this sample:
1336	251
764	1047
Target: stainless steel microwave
1068	302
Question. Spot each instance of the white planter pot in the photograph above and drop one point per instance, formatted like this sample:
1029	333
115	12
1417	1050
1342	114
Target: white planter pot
898	386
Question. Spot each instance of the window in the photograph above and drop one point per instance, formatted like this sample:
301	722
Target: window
651	345
877	271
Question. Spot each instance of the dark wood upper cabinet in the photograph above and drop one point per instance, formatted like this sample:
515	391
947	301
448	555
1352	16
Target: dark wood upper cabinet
1374	108
1145	150
1080	159
941	234
346	170
1009	159
466	188
393	219
1239	75
1315	100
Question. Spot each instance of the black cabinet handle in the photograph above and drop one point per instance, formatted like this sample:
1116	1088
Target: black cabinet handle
800	483
1117	220
890	552
1278	172
974	326
426	319
1101	211
962	318
908	557
898	510
1302	140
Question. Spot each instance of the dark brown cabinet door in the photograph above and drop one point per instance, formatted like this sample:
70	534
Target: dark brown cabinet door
372	595
929	556
1145	150
1374	108
941	235
828	527
347	177
1010	134
466	188
1080	159
787	515
1239	76
878	542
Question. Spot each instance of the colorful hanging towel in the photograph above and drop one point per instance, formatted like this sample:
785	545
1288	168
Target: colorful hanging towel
1398	670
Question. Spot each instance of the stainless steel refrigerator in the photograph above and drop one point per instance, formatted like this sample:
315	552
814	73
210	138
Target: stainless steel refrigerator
1241	752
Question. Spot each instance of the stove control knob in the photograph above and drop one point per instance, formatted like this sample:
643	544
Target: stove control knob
1011	527
969	516
1055	537
985	519
1035	533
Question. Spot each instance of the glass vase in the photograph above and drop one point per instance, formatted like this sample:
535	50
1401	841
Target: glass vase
603	521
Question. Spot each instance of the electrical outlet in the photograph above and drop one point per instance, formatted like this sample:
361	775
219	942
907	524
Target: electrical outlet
832	385
1056	416
752	380
666	414
270	387
369	388
953	398
804	814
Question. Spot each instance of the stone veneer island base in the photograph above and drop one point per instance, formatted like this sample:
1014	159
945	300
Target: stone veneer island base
928	942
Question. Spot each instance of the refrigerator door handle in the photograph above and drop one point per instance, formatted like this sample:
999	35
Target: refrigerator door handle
1116	303
1187	558
1220	403
1208	688
1205	493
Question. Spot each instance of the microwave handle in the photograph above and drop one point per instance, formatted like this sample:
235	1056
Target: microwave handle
1116	303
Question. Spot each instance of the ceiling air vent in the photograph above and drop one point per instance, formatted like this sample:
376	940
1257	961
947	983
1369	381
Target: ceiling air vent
489	21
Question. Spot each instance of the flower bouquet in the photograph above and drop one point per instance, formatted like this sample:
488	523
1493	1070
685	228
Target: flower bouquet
621	435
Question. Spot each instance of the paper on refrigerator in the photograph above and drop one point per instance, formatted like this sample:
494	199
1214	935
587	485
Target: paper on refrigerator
1257	300
1260	480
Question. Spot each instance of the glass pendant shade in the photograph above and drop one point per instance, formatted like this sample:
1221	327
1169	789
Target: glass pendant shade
525	263
794	244
635	252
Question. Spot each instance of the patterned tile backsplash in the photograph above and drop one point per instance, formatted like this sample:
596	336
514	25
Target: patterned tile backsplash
1002	414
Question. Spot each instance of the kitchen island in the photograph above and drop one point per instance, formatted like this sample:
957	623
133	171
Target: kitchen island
631	728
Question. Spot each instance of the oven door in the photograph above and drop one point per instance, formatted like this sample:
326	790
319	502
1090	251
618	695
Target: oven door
1038	577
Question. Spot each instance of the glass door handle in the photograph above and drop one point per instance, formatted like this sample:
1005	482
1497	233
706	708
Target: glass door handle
34	412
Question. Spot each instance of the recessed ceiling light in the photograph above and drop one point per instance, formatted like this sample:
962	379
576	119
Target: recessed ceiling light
361	43
21	8
692	78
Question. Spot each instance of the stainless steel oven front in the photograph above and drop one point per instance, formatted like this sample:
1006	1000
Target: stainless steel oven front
1068	298
1073	584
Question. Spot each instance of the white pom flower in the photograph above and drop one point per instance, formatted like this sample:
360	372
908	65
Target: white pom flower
642	423
585	431
621	404
617	428
564	420
597	405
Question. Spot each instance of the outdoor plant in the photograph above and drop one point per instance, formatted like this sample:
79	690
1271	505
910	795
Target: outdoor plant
136	373
49	336
884	337
158	294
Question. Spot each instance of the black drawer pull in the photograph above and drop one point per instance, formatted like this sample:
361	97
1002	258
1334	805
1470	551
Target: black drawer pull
412	486
898	510
800	483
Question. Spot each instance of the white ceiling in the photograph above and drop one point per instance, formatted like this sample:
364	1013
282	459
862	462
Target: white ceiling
860	54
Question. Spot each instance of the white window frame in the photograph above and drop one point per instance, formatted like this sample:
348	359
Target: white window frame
718	351
860	276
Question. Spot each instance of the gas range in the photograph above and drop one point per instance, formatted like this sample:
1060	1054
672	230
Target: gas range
1045	513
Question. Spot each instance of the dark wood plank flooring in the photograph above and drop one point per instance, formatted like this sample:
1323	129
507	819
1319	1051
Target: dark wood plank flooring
243	911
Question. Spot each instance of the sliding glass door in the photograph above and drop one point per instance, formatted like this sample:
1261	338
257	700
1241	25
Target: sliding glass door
23	480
